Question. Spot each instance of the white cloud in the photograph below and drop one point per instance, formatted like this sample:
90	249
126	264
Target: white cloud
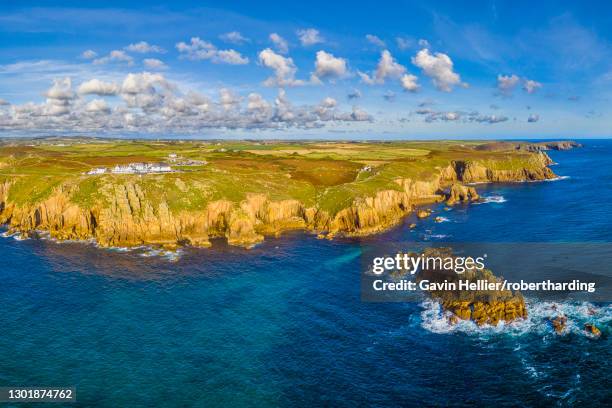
143	83
423	43
97	87
533	118
458	116
115	56
439	67
231	57
354	94
144	47
387	67
97	105
530	86
154	63
151	104
4	102
409	82
280	43
198	49
389	96
256	103
234	37
507	83
309	36
404	43
228	99
61	89
283	67
375	40
89	54
328	66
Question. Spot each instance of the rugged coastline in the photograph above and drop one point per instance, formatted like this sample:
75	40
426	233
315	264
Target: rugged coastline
137	210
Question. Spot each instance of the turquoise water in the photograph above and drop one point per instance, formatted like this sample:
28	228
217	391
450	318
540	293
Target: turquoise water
283	324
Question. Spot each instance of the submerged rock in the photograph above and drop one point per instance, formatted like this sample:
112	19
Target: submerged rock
423	213
592	330
559	324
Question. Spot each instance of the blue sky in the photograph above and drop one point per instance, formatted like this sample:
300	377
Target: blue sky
307	69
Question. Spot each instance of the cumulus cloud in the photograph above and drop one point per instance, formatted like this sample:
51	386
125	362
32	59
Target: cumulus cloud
97	105
4	102
59	99
198	49
234	37
507	83
459	116
115	56
150	103
375	40
283	67
387	67
154	63
328	66
439	67
531	86
389	96
97	87
404	43
144	47
89	54
354	94
280	43
61	89
533	118
424	43
409	82
309	36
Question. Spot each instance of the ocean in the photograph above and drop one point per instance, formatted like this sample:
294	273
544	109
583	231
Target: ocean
284	324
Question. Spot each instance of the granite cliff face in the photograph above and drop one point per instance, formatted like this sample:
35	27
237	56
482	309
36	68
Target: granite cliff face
126	217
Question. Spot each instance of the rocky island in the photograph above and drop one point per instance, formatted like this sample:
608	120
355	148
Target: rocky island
480	306
241	190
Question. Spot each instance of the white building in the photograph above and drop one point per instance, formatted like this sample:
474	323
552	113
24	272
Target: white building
99	170
141	168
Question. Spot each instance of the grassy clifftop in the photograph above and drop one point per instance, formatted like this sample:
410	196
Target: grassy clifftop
326	178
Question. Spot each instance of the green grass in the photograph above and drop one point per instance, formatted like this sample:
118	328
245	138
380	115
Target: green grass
324	174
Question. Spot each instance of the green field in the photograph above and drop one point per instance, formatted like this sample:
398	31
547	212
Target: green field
329	175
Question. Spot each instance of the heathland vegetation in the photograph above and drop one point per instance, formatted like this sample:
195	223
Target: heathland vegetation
241	190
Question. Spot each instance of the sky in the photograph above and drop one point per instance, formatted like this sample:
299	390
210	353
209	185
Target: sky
320	69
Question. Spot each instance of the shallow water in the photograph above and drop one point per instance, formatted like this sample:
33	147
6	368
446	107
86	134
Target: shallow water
283	324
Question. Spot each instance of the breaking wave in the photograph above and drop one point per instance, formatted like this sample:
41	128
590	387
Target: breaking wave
436	320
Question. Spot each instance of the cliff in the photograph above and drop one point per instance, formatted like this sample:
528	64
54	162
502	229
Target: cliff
136	210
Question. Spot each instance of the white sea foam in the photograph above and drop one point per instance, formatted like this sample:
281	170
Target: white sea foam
442	219
434	319
172	256
559	178
493	198
428	237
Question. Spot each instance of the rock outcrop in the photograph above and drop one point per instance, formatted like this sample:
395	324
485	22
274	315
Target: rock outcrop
460	193
481	306
592	330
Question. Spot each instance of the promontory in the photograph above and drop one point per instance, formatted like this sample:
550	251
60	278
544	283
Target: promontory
171	193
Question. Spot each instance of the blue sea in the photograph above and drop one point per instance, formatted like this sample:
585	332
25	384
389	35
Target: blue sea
283	324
